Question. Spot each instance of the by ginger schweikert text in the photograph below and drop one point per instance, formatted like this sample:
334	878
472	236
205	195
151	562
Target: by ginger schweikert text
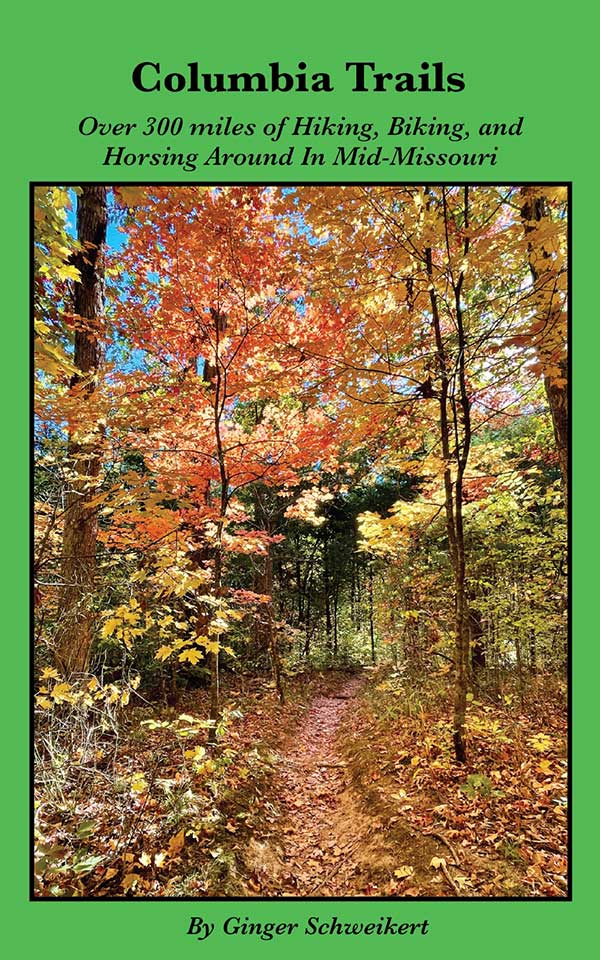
314	926
311	140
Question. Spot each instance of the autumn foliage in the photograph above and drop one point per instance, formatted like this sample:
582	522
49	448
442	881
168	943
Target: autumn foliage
287	430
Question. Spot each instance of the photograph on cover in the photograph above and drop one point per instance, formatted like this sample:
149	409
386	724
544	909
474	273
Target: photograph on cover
300	495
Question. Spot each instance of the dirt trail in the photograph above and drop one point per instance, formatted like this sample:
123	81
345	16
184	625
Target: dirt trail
322	842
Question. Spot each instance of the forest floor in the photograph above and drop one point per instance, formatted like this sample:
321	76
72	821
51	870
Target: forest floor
327	843
349	789
370	805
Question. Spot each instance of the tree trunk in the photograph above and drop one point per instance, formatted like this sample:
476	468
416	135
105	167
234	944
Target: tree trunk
335	619
299	591
74	634
358	605
326	585
558	401
549	343
307	621
218	389
455	436
353	591
263	584
215	712
264	634
371	624
213	661
477	641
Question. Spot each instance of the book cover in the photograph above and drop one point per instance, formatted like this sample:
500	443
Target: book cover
297	212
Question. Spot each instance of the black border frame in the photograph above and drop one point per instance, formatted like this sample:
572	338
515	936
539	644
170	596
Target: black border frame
310	183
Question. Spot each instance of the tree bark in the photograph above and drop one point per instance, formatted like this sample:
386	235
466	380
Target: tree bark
219	395
543	271
327	586
371	623
335	619
558	401
455	436
264	634
478	658
74	635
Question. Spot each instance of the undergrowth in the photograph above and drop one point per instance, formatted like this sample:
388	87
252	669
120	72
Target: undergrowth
505	810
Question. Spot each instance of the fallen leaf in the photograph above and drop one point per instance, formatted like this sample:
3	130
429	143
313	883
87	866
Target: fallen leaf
176	843
130	881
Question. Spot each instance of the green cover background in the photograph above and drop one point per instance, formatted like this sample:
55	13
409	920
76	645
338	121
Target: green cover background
63	62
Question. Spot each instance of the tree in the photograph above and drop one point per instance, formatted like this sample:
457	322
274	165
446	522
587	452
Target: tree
279	363
431	282
547	331
74	635
212	302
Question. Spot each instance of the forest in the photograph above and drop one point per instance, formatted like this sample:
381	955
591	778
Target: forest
300	541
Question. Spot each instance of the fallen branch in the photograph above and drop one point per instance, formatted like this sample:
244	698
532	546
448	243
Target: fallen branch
448	877
443	839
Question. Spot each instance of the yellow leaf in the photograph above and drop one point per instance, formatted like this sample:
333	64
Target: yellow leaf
437	862
145	859
68	273
159	859
110	626
138	783
49	673
179	644
113	692
62	692
43	702
192	655
163	652
211	646
404	871
541	742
